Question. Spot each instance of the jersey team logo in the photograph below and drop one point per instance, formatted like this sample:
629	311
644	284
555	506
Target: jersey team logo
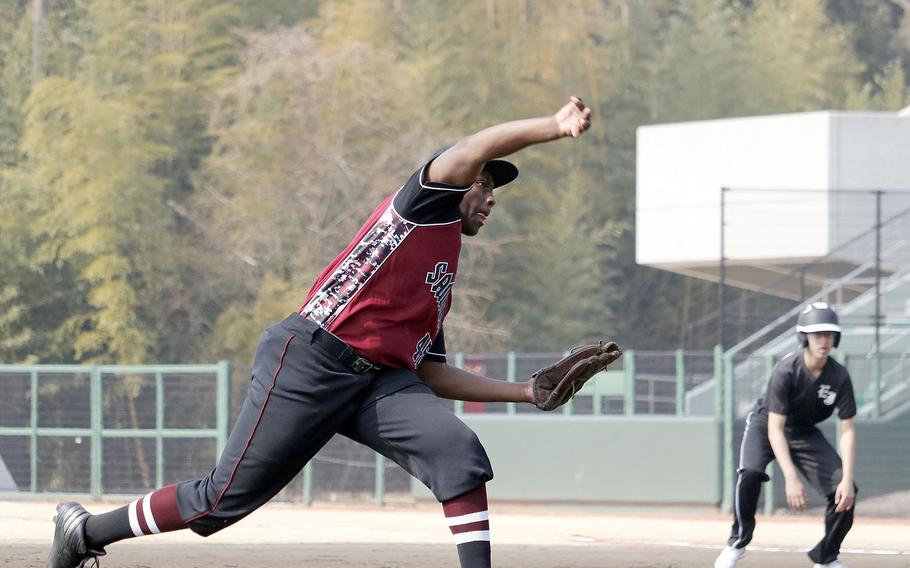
826	394
441	283
422	347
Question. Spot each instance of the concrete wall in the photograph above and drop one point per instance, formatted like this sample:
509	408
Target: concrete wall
883	454
647	459
653	459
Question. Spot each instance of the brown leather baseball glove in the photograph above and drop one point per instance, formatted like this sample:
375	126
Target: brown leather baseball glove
555	384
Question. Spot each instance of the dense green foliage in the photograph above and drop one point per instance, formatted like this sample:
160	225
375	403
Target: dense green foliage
174	175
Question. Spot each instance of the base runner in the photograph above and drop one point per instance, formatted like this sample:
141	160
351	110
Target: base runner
804	390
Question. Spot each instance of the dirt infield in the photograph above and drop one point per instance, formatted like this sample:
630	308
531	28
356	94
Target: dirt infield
530	537
426	556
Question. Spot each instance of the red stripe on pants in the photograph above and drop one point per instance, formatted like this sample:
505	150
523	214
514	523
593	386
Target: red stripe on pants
265	403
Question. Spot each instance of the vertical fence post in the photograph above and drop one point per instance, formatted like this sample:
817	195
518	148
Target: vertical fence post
718	381
459	362
380	479
876	386
597	395
771	470
159	427
569	407
511	377
680	382
33	442
718	414
877	365
628	366
860	396
308	483
96	408
840	359
651	396
223	407
729	415
721	297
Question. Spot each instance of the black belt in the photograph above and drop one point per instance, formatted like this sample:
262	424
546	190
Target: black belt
345	354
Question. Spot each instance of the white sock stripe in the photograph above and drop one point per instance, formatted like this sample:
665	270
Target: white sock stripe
469	518
147	509
134	519
472	536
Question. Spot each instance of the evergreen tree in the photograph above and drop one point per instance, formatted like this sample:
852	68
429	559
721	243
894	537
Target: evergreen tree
310	137
796	59
175	181
14	79
878	33
108	150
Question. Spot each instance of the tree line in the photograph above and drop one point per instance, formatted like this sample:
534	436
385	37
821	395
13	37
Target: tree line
173	175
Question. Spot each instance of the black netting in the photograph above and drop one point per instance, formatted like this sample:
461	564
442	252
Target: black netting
64	400
64	464
128	465
129	401
15	399
188	458
190	401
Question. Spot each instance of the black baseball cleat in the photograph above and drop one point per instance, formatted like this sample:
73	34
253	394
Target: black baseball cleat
69	549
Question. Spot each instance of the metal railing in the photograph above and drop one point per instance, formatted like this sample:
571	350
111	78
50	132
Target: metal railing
852	260
770	336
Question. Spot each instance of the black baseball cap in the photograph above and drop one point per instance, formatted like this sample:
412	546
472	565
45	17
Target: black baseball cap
501	171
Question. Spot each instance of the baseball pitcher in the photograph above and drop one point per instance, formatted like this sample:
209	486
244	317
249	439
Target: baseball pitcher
365	356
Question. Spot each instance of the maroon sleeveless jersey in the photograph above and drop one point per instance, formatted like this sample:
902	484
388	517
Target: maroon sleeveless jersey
387	294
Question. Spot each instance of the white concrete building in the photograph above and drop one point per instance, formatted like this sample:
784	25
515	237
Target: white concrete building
801	190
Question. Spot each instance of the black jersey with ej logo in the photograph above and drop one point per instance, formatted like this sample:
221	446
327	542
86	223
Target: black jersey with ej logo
804	399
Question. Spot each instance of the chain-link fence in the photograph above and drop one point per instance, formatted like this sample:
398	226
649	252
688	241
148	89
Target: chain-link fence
642	383
107	431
